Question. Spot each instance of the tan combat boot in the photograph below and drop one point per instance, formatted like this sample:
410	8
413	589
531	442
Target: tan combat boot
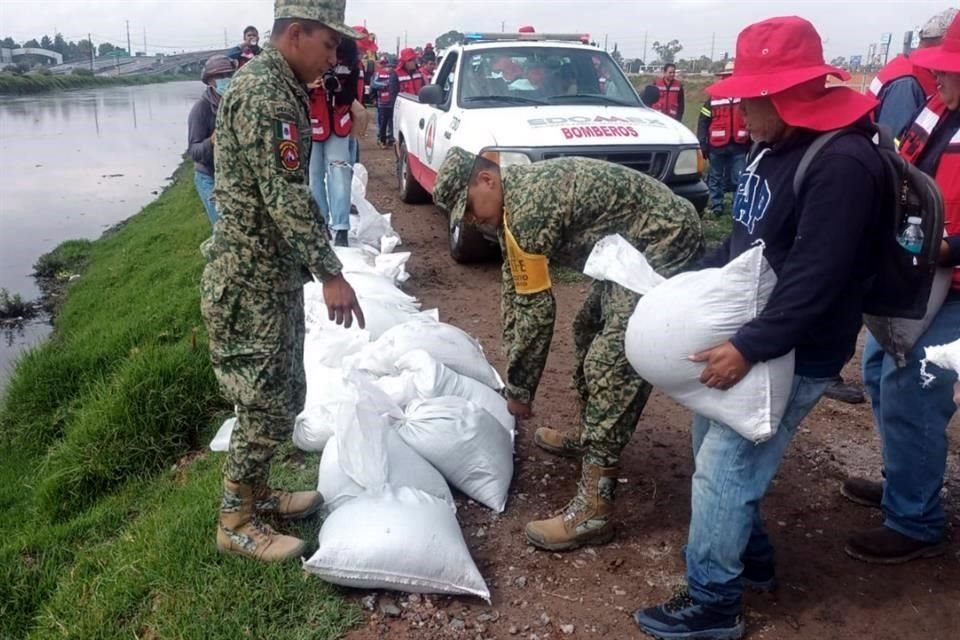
558	442
587	519
240	532
289	505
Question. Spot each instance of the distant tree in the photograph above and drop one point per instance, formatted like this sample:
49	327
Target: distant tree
667	52
9	43
717	66
617	56
46	42
31	44
635	65
447	39
59	44
105	48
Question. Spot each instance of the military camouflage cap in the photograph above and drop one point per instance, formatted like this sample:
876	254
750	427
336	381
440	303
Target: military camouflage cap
450	189
936	27
329	12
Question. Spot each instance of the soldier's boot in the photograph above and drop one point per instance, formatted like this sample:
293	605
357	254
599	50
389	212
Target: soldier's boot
290	505
341	239
558	442
241	533
587	519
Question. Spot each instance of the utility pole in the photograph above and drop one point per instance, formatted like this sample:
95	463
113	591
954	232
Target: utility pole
144	41
92	65
226	44
404	39
604	42
644	48
503	26
398	45
129	46
713	44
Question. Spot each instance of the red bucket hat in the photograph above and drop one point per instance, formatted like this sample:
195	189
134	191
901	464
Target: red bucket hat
407	55
773	56
946	56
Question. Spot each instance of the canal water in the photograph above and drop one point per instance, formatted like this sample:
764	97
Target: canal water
74	164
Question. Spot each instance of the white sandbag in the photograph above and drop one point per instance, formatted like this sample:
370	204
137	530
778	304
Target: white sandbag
465	443
327	348
447	344
355	259
380	315
326	391
221	441
393	266
423	377
368	226
616	260
898	336
699	310
400	539
405	468
945	356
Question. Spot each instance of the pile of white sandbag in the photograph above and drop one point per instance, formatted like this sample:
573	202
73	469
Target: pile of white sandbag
399	410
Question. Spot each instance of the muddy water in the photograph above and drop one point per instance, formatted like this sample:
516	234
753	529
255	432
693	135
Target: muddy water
74	164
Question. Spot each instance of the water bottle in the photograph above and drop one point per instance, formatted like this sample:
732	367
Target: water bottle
911	238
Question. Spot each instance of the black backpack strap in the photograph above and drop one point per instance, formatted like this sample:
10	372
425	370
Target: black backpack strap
810	155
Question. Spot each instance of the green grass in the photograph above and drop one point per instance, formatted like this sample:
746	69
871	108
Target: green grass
107	508
67	259
17	84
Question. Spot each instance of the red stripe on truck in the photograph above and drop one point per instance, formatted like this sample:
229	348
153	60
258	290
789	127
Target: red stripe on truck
426	176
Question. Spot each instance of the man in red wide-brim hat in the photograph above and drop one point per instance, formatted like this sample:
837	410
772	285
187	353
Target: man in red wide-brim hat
912	418
819	241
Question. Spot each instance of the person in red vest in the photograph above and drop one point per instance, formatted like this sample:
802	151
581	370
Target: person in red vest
385	101
903	87
428	63
336	114
912	418
406	78
671	93
725	141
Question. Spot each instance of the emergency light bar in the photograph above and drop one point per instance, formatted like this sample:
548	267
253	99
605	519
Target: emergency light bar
528	37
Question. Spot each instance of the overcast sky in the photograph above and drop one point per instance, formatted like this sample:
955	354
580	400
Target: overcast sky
847	27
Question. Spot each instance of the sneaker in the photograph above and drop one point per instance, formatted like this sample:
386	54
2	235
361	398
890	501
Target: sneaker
883	545
682	618
761	578
867	493
845	392
340	239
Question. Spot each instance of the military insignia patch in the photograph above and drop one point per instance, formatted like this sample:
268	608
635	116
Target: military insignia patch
288	145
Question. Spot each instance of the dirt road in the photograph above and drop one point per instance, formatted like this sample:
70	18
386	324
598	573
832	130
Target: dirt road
824	595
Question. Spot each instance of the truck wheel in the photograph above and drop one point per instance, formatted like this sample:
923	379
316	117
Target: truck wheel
467	244
410	190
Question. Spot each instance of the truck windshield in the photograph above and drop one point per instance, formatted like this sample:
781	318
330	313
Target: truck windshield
547	75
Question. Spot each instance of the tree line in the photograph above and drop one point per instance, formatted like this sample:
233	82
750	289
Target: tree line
71	51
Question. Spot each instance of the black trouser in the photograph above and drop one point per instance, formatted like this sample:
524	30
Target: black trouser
385	123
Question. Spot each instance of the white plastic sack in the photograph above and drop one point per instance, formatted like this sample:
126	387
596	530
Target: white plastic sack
616	260
326	391
327	348
380	314
945	356
221	441
695	311
400	539
368	226
447	344
898	336
405	468
465	443
422	377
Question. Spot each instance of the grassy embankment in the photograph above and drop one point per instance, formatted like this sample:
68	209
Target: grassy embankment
15	84
106	517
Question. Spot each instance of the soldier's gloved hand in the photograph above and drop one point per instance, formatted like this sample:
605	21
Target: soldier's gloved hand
342	303
519	409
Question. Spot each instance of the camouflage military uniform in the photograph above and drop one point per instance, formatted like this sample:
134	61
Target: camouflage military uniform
559	209
269	239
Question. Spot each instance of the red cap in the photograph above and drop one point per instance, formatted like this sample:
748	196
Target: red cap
407	55
773	56
429	45
945	56
527	28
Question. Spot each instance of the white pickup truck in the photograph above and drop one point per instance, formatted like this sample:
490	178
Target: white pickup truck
535	97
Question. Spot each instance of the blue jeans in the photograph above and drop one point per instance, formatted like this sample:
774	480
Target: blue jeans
732	475
912	421
331	174
204	185
385	124
726	165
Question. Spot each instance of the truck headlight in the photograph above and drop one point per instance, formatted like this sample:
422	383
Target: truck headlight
689	162
510	158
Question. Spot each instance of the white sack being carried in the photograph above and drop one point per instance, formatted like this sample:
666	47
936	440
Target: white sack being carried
945	356
898	336
467	444
405	468
397	538
221	441
699	310
447	344
368	226
422	377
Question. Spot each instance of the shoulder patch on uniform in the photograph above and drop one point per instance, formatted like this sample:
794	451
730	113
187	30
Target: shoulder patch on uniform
287	144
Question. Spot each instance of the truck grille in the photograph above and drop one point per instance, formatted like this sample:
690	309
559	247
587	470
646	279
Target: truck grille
652	163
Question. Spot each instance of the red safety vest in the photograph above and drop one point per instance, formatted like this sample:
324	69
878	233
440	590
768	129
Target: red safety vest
901	67
324	120
948	169
383	94
410	82
669	102
727	123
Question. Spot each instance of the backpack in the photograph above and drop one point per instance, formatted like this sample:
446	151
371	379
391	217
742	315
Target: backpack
907	289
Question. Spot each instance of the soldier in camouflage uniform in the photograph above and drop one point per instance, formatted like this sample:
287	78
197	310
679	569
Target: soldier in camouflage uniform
269	239
556	211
